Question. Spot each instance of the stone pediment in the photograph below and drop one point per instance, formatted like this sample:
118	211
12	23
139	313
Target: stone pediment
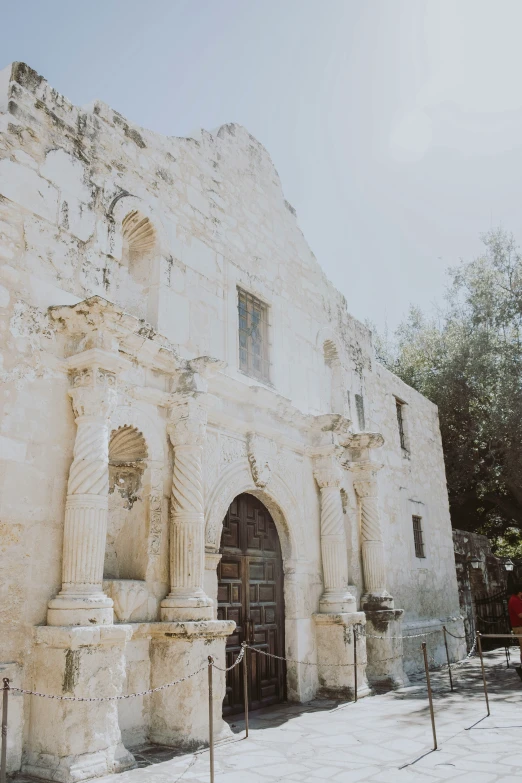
98	323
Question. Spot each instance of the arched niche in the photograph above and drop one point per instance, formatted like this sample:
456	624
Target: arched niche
334	395
137	241
126	547
136	531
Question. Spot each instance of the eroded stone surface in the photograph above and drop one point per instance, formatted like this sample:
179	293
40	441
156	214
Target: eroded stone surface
121	255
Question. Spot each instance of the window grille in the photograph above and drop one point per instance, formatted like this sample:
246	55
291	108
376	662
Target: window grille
417	536
400	421
359	407
253	336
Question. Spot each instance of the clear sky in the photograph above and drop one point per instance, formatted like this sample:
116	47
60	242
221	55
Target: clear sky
395	125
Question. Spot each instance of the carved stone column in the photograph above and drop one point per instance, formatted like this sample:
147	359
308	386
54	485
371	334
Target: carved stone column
383	621
376	596
336	596
187	599
81	600
338	615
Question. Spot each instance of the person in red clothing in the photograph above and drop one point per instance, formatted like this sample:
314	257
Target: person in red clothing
515	618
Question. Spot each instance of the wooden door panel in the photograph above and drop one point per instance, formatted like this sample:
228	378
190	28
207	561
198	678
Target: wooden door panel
250	591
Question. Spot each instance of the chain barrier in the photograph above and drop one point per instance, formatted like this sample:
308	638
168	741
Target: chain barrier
236	662
244	647
26	692
454	636
108	698
293	660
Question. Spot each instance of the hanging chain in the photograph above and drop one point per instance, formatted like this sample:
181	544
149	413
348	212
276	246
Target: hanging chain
236	662
109	698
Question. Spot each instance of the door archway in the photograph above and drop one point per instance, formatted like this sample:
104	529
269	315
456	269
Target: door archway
250	592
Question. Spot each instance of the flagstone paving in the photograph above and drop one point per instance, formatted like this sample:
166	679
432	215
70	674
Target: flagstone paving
383	739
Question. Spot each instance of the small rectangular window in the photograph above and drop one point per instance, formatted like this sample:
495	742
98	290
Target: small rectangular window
400	421
359	407
253	336
417	536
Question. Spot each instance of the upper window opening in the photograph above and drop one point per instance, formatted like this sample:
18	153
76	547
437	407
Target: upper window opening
253	336
400	422
418	536
359	407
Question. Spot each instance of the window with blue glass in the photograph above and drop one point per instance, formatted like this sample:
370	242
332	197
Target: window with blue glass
253	336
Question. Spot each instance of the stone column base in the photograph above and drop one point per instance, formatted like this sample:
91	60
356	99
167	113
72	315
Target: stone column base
179	715
71	741
385	655
185	606
80	609
334	633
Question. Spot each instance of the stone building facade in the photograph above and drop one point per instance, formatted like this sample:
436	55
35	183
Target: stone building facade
197	445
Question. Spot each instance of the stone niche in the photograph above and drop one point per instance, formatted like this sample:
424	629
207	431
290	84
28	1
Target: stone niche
127	549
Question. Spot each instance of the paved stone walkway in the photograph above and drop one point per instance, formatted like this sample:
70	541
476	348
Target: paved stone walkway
384	738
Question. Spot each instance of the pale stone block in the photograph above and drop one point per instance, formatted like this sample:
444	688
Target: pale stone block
71	741
76	217
67	173
335	654
5	297
46	294
25	187
384	648
200	257
179	715
11	449
173	319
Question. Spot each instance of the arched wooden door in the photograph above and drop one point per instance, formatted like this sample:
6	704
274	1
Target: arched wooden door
250	592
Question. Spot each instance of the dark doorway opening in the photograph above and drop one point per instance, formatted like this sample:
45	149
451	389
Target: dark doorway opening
250	592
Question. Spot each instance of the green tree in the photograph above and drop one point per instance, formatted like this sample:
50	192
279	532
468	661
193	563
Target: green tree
468	360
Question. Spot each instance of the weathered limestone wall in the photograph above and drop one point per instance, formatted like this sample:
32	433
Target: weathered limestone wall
166	228
414	483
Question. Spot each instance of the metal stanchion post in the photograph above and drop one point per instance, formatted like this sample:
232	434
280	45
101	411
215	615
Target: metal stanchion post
211	717
3	762
245	685
355	663
448	658
430	695
479	647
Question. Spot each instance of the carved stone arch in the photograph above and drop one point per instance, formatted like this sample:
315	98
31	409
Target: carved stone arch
124	218
276	496
132	416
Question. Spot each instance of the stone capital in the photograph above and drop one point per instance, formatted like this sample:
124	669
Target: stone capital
327	471
93	392
330	429
188	421
366	488
193	378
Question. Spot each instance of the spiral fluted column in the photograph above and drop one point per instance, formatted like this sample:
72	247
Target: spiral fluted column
81	600
187	599
336	596
374	566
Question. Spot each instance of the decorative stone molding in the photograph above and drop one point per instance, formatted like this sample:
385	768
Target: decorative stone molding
81	600
281	502
259	451
127	595
155	512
